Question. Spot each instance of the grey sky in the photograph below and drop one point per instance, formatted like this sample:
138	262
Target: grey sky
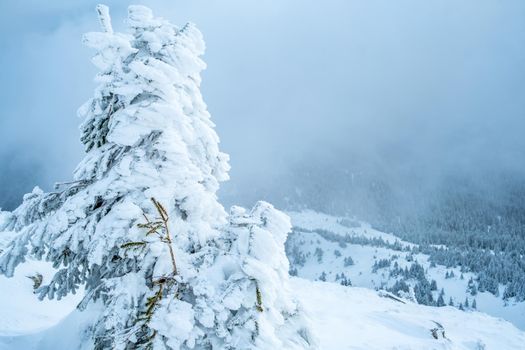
391	88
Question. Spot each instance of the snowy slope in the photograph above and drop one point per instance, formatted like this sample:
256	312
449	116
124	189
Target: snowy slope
20	310
316	232
342	317
358	319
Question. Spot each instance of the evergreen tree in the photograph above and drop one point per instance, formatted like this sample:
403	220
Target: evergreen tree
433	285
423	293
345	281
348	261
471	287
319	254
441	298
322	277
257	266
450	302
474	304
440	301
140	226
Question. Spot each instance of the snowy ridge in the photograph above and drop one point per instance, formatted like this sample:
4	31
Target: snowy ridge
311	220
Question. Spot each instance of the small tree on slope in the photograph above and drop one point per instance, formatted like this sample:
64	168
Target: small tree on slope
167	273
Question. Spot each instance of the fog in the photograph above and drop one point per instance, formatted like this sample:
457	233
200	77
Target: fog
353	107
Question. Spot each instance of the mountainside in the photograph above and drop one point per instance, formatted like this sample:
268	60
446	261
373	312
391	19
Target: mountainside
135	250
342	317
359	319
350	252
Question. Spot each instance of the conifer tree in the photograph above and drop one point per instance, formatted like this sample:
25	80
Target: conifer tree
441	298
140	226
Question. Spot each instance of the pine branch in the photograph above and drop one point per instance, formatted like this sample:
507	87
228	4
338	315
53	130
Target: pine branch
159	226
258	297
133	245
167	238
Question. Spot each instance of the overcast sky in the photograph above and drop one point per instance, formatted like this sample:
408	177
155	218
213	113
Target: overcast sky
402	88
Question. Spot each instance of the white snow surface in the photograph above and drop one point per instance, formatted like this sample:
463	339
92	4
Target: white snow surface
358	319
341	318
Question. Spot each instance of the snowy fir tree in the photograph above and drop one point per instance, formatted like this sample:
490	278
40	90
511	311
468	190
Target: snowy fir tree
139	230
441	299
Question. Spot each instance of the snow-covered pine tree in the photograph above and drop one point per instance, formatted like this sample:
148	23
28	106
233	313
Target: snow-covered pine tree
256	272
140	227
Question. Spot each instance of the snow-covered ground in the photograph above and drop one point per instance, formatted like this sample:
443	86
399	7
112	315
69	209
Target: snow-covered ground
360	273
341	317
20	310
359	319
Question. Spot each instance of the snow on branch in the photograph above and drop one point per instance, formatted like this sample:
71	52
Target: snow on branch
104	18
